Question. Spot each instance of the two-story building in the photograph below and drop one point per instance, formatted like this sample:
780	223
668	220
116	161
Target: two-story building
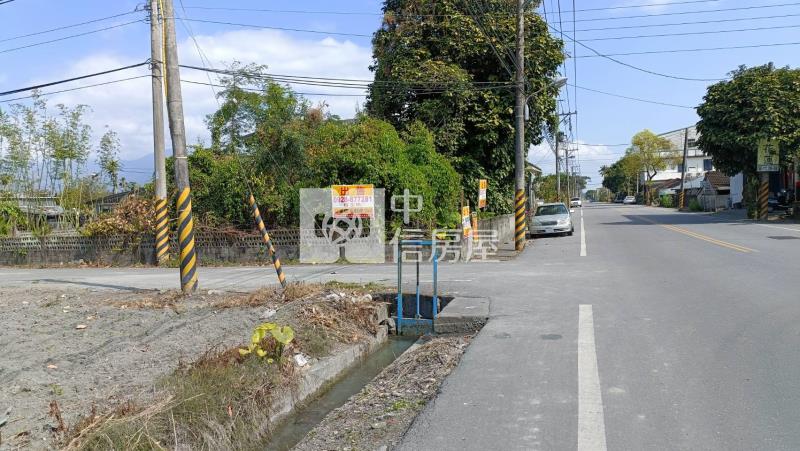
697	162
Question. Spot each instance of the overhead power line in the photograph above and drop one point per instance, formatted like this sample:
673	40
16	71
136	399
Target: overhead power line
65	27
295	92
634	67
698	22
49	93
298	30
368	13
645	5
656	102
351	83
599	145
67	80
683	13
689	33
70	36
706	49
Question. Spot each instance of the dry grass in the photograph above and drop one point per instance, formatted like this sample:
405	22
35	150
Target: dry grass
272	296
156	301
222	400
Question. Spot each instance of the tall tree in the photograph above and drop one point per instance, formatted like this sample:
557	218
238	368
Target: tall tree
108	157
758	102
437	62
652	154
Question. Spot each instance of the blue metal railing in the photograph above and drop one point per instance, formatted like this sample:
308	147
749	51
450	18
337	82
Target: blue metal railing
435	302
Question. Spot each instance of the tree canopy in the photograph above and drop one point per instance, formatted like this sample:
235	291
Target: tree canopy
268	139
437	62
758	102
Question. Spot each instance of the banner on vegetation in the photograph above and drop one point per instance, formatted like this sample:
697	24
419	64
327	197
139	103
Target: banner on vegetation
352	201
482	184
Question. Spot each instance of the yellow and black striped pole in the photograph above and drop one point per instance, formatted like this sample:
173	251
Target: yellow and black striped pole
520	223
763	198
681	199
162	231
276	262
188	255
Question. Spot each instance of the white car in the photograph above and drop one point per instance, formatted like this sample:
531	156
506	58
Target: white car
629	200
551	219
575	202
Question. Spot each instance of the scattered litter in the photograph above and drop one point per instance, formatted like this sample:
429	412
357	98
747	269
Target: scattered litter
81	326
268	313
300	360
52	367
379	425
90	317
215	292
5	418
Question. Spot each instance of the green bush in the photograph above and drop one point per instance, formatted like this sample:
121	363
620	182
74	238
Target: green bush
694	205
667	201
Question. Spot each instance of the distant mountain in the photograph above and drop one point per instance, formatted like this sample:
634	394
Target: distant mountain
139	170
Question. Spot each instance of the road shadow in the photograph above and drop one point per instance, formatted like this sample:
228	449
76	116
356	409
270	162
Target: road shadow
99	285
676	218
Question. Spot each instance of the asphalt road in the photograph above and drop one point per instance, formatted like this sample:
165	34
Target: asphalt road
651	330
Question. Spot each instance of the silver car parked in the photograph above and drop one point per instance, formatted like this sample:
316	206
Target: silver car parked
551	219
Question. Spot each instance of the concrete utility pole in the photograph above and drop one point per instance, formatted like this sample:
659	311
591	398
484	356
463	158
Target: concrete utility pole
682	195
520	229
156	61
566	171
156	68
558	171
188	258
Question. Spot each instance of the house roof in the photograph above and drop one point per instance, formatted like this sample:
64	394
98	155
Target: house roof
718	179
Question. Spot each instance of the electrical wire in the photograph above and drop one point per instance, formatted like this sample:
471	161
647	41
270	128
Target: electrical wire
350	83
67	80
690	33
73	89
65	27
706	49
71	36
655	102
699	22
364	13
299	30
646	5
681	13
295	92
640	69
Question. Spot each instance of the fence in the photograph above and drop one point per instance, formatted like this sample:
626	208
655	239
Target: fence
140	249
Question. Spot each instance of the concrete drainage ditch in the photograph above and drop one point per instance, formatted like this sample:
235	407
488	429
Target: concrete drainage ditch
333	381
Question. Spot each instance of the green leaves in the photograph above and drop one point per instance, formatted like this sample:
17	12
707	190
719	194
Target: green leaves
435	71
269	339
758	102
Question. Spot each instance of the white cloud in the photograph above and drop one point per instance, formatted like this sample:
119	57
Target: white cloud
126	106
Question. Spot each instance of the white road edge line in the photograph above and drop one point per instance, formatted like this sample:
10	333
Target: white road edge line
591	424
583	237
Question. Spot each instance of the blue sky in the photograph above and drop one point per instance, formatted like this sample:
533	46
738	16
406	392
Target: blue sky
602	119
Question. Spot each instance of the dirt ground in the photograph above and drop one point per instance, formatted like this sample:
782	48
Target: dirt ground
65	354
82	347
377	417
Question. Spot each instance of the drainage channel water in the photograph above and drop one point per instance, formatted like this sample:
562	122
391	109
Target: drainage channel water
301	422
